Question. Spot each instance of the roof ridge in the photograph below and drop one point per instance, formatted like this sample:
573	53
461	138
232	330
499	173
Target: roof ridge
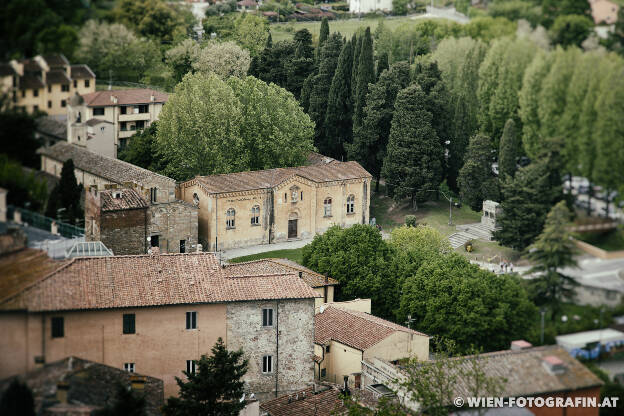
297	266
36	283
376	319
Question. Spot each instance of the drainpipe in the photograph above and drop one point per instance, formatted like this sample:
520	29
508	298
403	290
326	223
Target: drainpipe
216	223
276	347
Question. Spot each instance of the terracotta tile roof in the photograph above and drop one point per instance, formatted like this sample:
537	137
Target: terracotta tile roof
56	60
31	65
57	76
305	402
150	280
128	199
527	376
276	266
124	97
113	170
52	126
81	72
264	179
359	330
30	82
315	158
22	268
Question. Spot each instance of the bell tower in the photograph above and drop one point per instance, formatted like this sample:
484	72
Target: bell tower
76	121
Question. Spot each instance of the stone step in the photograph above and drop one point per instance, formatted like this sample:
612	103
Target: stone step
459	239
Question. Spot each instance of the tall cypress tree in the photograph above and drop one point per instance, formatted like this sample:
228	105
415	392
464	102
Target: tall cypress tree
371	138
356	41
462	118
320	84
338	127
302	64
366	75
382	64
323	35
476	180
508	151
412	164
67	196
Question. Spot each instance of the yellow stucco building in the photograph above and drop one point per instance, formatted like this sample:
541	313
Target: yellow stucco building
267	206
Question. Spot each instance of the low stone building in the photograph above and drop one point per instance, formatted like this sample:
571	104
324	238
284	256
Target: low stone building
157	315
128	224
262	207
73	386
343	337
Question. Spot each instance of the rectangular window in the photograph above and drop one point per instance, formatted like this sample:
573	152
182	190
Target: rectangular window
65	87
123	142
323	372
154	241
327	349
36	93
129	367
49	104
122	109
75	84
98	111
182	246
58	327
140	124
267	364
190	366
191	320
23	93
35	108
153	194
87	83
143	108
129	323
267	317
123	126
63	103
49	88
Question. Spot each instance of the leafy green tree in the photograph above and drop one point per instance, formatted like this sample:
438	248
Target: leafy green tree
527	198
338	127
551	9
509	150
413	164
371	139
489	28
126	403
57	39
182	57
274	129
399	7
17	400
570	30
489	78
67	196
216	387
476	180
25	189
141	149
459	141
452	298
251	32
365	76
553	250
17	135
358	258
225	59
528	98
321	84
152	18
222	26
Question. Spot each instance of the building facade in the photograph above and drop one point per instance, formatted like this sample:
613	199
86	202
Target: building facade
367	6
126	111
44	83
157	315
263	207
604	12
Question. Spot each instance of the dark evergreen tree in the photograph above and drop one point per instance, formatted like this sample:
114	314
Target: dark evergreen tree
17	134
527	198
302	64
320	85
382	64
126	403
216	387
338	127
277	61
476	179
412	165
365	76
371	138
323	36
67	194
17	400
303	41
509	150
306	90
356	42
458	142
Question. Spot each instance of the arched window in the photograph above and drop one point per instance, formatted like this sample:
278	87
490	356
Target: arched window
255	215
195	199
230	216
327	207
350	204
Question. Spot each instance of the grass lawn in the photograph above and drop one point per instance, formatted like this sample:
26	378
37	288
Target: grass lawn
347	27
609	241
295	255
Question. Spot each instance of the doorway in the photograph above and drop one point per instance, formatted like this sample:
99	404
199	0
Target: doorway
292	228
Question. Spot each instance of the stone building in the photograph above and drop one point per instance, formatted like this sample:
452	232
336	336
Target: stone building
267	206
156	315
128	224
44	83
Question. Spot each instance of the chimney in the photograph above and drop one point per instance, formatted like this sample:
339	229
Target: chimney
199	248
113	99
152	98
326	279
61	391
520	344
553	364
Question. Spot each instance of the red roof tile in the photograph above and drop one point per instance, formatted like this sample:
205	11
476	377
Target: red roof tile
278	266
325	402
359	330
264	179
150	280
124	97
120	199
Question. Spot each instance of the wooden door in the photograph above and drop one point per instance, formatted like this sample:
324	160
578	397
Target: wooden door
292	228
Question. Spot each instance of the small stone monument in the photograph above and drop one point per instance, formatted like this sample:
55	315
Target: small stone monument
491	211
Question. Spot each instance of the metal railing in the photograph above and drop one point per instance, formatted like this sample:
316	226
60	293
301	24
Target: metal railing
34	219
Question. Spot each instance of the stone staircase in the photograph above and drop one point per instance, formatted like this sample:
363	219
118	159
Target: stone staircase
467	232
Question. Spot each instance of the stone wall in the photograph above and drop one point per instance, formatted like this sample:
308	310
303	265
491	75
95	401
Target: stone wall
124	232
293	326
174	222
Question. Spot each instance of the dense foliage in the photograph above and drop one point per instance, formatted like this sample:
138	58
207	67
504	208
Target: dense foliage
17	400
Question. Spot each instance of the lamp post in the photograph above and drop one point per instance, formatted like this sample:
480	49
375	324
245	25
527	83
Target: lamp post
448	198
542	313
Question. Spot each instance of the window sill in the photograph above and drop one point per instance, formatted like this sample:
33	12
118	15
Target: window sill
230	228
327	216
350	213
255	225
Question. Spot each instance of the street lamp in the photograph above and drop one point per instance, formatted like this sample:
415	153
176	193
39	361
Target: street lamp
542	312
448	198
